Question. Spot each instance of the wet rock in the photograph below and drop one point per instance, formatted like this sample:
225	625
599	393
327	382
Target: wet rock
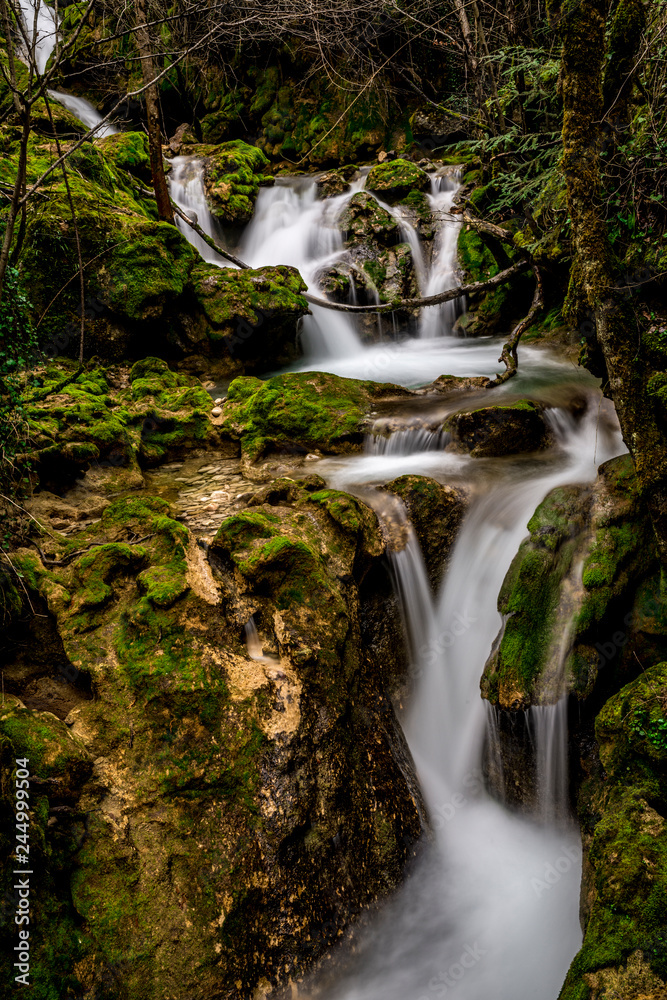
500	430
436	513
301	413
335	182
202	786
363	220
232	176
248	316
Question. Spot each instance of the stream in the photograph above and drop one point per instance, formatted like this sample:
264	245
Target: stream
490	910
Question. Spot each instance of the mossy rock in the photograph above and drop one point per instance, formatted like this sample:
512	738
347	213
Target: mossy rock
435	512
533	605
232	178
300	412
161	415
251	315
363	220
128	151
394	180
492	431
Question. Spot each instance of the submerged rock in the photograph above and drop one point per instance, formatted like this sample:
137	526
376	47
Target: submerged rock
188	805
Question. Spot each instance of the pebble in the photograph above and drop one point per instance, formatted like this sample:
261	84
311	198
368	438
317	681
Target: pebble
312	458
207	468
219	401
216	411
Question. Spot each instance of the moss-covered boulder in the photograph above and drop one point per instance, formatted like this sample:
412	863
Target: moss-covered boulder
232	177
622	809
393	180
249	315
301	412
500	430
128	151
204	786
435	512
496	311
363	220
335	182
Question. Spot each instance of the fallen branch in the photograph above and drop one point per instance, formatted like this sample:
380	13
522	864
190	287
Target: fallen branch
497	232
509	355
206	238
429	300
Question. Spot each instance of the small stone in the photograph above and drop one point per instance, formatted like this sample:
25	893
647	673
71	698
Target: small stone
312	458
216	411
207	468
219	400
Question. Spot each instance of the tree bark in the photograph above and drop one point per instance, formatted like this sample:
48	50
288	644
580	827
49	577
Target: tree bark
634	375
165	213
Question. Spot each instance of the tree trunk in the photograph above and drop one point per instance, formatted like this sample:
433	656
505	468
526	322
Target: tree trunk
636	377
165	211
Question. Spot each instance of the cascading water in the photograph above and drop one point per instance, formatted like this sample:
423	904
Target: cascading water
478	914
41	28
292	226
439	320
186	187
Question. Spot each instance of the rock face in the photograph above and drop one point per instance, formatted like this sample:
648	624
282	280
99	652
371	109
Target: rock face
195	822
500	430
435	512
301	412
591	561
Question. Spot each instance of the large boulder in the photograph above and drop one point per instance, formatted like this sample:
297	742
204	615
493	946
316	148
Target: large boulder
178	817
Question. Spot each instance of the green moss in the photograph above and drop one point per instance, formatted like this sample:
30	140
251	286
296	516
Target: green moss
395	179
229	298
233	177
628	852
128	151
305	410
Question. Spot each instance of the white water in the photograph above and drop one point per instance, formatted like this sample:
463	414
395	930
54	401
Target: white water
43	35
186	187
479	914
438	321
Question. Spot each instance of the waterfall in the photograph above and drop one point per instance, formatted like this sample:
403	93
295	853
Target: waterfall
406	442
438	321
186	187
44	38
45	31
292	226
84	111
492	907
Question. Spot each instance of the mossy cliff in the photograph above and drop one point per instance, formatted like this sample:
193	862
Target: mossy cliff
147	291
181	814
